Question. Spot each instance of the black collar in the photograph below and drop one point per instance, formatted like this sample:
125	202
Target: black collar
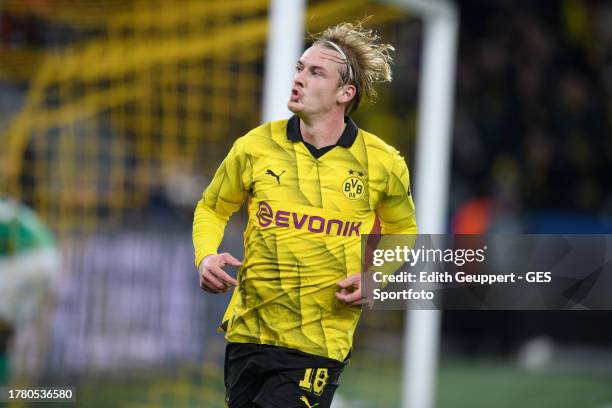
346	139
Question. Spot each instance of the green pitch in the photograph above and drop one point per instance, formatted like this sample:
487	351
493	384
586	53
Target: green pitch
367	383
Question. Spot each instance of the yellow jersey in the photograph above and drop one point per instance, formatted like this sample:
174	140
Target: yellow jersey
307	211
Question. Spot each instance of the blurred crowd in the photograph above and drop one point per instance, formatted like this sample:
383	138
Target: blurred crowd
533	108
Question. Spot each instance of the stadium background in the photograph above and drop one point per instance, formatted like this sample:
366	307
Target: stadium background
114	115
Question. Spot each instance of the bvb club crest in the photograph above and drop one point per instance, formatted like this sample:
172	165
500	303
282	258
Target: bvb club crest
353	187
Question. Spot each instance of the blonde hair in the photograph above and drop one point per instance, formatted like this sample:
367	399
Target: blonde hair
368	61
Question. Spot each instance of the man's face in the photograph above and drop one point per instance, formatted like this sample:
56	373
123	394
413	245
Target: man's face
315	83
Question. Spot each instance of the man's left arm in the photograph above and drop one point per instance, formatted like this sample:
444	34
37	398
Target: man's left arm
396	212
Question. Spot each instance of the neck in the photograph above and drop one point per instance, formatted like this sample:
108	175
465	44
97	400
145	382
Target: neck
322	131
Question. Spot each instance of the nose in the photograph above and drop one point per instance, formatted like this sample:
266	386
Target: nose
298	79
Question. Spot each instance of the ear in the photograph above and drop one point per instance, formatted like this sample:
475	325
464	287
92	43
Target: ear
346	93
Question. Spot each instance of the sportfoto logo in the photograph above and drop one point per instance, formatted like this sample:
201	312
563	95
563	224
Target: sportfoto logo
313	223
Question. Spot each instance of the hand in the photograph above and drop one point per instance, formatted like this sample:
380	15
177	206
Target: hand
350	291
213	278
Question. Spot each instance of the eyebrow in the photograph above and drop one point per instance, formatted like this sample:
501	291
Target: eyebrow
312	66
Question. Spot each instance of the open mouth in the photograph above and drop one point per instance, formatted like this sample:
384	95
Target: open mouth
295	95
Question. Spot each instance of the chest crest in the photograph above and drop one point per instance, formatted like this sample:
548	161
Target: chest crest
353	186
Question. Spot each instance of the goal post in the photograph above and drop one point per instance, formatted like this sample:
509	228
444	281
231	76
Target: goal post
433	147
283	48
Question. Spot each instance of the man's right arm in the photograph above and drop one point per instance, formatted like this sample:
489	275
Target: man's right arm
213	278
220	200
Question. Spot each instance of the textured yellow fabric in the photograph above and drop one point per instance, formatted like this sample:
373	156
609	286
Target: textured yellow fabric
306	217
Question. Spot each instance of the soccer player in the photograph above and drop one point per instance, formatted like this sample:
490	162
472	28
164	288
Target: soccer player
314	184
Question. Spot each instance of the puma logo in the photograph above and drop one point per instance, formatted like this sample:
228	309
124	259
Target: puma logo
270	172
305	401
